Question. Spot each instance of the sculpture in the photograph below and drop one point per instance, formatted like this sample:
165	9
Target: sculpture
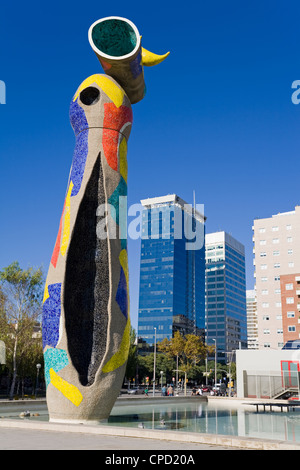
86	324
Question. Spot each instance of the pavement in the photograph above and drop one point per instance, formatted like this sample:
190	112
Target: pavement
27	439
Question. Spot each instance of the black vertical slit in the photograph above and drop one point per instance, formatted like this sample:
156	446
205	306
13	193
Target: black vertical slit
86	291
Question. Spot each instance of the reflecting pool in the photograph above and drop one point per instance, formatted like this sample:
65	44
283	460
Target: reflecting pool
197	416
210	418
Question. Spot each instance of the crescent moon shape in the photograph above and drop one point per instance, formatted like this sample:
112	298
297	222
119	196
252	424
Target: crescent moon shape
149	58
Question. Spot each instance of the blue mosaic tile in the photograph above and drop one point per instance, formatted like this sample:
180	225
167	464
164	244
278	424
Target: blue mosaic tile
51	316
80	127
77	117
79	161
135	65
121	296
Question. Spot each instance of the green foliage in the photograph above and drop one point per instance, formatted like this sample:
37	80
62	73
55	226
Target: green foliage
189	350
132	356
20	313
164	363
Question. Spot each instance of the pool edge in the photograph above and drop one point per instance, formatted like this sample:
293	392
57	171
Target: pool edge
186	437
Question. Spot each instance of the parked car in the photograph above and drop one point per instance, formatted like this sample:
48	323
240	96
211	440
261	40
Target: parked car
135	391
206	388
219	389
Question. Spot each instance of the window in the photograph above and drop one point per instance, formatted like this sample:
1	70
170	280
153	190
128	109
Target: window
291	264
265	292
264	279
263	254
266	304
277	291
267	345
276	253
266	331
262	230
266	317
290	300
263	266
289	239
277	278
289	227
279	331
275	241
278	317
290	252
277	265
275	229
291	328
263	242
289	286
277	304
290	314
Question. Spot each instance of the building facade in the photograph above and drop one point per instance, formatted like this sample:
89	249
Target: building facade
226	315
277	253
290	306
252	331
172	273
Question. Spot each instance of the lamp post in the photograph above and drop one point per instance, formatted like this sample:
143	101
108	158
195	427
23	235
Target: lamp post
154	365
185	376
214	339
38	366
161	378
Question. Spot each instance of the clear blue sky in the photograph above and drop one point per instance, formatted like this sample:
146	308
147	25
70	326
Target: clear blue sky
217	118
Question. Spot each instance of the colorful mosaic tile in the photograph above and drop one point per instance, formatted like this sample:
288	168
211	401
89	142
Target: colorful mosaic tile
55	359
51	316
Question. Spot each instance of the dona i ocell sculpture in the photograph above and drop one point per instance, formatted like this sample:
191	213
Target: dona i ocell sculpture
86	323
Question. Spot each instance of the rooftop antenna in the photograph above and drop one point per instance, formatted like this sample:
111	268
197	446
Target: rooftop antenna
194	266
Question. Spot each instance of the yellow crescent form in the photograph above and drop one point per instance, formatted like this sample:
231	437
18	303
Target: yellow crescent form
149	59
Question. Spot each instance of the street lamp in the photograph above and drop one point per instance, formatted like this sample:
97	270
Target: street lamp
214	339
38	366
179	370
154	365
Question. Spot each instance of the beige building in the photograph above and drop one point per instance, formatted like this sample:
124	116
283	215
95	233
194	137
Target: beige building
252	334
276	252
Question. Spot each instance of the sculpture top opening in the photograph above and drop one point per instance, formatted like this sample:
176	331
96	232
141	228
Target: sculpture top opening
114	37
116	42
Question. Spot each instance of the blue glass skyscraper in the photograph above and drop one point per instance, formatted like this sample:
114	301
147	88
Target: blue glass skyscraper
172	272
226	312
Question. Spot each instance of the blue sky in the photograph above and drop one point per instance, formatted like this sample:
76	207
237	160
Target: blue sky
217	118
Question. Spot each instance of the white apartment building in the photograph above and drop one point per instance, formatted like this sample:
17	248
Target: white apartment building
252	332
276	252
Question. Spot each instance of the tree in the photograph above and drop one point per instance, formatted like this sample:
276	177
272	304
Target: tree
132	356
164	363
22	294
189	351
174	346
194	349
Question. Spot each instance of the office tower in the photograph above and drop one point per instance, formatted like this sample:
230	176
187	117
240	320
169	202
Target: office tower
277	252
290	306
252	340
226	316
172	275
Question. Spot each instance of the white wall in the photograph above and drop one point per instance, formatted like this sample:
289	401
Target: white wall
261	361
